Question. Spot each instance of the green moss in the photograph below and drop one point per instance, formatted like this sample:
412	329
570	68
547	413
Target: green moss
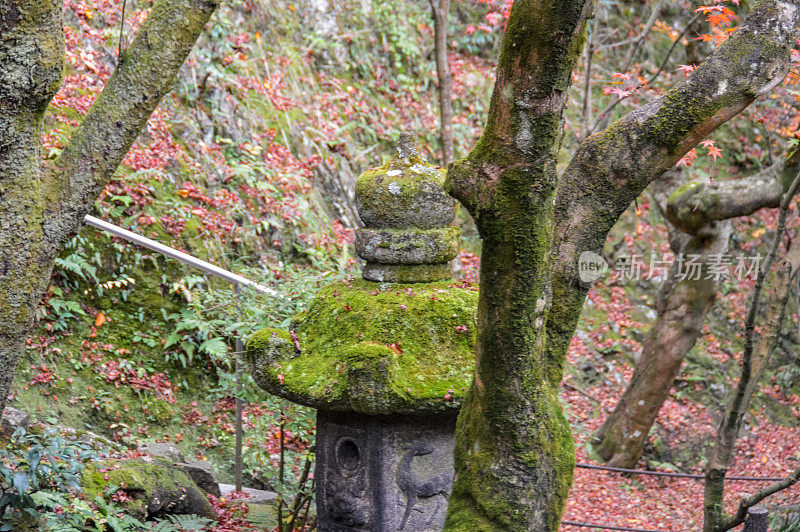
537	445
691	186
404	192
464	517
373	348
414	173
139	478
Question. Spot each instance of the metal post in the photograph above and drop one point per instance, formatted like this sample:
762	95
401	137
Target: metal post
756	520
207	267
239	348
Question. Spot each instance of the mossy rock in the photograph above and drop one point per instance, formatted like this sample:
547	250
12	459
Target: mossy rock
406	273
404	192
401	246
374	348
156	487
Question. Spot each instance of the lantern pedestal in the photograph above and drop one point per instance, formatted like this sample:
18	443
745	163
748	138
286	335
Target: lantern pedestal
383	473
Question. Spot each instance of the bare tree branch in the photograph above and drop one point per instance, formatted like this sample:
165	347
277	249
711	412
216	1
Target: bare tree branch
640	39
605	116
441	11
612	167
626	64
695	204
747	502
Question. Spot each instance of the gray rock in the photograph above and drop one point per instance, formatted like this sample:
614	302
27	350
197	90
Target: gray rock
254	496
95	441
406	273
14	418
167	451
203	475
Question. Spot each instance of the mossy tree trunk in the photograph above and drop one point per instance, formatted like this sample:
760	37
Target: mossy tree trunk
42	207
514	452
700	209
32	48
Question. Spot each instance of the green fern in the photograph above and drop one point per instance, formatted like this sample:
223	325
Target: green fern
187	523
216	348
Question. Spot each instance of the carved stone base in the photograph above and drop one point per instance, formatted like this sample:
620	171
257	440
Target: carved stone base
383	473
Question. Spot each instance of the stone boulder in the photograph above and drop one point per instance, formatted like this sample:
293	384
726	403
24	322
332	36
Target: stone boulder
253	496
202	473
14	418
166	451
155	487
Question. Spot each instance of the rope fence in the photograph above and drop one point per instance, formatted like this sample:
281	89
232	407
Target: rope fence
756	520
673	475
609	527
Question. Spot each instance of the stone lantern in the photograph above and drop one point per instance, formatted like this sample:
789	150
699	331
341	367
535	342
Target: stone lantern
386	359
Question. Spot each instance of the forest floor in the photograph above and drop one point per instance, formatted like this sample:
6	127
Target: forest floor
684	430
767	450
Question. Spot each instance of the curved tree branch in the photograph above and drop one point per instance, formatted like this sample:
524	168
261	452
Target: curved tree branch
626	64
701	209
747	502
146	72
696	204
612	167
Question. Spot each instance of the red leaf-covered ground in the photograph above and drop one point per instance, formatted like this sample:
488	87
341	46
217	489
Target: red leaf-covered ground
764	450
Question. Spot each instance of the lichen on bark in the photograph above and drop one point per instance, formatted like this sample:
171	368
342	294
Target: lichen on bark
41	208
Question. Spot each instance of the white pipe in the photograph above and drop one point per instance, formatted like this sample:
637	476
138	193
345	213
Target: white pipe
178	255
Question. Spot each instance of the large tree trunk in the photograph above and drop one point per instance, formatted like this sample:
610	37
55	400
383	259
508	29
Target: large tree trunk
682	306
514	453
41	208
441	10
32	52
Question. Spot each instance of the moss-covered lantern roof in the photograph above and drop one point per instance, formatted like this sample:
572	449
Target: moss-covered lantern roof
401	340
